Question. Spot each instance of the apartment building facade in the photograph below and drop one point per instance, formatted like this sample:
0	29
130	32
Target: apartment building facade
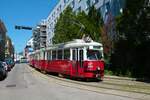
103	6
3	31
39	36
9	48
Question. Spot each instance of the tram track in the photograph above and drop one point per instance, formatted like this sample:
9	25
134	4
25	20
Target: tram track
104	87
98	89
133	84
108	85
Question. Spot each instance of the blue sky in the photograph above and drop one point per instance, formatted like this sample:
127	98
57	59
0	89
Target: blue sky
23	12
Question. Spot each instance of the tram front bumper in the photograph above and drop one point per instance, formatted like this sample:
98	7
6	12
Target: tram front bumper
92	74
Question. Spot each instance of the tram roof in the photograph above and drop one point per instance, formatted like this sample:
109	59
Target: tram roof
82	43
76	43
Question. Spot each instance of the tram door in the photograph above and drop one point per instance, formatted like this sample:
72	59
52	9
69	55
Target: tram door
77	57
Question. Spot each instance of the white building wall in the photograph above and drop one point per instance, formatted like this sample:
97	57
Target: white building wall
40	35
76	5
30	42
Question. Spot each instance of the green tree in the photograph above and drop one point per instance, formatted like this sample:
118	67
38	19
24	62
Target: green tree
64	29
95	23
73	25
132	50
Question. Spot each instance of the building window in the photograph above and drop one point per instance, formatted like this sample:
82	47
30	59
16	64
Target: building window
107	7
54	14
73	4
88	3
64	1
79	9
95	1
79	1
99	10
58	9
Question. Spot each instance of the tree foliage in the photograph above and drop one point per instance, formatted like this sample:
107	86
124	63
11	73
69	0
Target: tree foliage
132	50
71	25
95	23
64	29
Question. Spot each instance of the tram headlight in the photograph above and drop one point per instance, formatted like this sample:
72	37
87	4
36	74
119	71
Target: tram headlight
98	68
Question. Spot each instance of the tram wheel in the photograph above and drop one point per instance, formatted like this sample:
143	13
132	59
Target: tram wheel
86	79
43	71
61	75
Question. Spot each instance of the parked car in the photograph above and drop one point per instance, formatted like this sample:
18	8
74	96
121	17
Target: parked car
3	72
5	65
10	62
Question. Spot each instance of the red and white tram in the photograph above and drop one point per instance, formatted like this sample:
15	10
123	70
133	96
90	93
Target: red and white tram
76	58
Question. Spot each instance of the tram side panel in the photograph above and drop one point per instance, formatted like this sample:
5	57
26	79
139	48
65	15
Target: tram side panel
31	63
59	66
36	63
65	67
42	60
42	64
52	66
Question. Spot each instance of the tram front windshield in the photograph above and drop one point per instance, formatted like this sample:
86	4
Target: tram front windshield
94	55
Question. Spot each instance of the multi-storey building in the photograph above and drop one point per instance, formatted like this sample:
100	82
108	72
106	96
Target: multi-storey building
29	47
3	31
36	35
30	43
39	36
104	6
9	48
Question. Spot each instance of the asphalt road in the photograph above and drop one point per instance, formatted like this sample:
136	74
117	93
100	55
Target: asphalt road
23	84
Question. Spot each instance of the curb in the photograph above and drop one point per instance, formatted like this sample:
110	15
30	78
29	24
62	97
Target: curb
119	78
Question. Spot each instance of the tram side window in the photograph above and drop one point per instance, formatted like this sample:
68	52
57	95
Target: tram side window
67	54
38	58
81	55
81	58
60	54
74	54
43	55
94	54
49	55
53	55
35	56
